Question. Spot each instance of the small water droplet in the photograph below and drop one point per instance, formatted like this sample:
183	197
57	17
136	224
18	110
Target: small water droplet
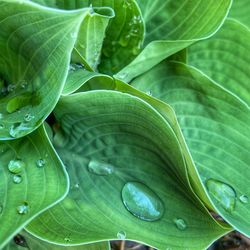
142	202
11	87
40	163
67	239
100	167
180	224
243	198
121	235
223	193
23	84
23	208
28	117
77	185
73	34
149	93
17	178
16	166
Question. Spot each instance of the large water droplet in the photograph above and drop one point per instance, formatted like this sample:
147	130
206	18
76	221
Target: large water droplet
19	129
16	166
23	208
223	193
180	224
40	163
243	198
100	168
142	202
17	178
121	235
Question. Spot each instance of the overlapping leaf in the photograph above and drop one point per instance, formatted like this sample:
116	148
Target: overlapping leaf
172	26
126	133
39	183
240	11
215	125
225	58
35	49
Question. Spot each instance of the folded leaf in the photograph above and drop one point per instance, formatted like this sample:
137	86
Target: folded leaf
172	26
32	179
25	240
215	125
225	58
35	49
117	148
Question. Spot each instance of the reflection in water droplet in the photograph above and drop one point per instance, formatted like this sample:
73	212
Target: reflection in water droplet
28	117
40	163
23	208
243	198
19	129
17	178
142	202
100	168
180	224
16	166
121	235
223	193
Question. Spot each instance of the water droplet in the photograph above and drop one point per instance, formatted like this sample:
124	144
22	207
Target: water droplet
19	129
77	185
23	84
23	208
142	202
17	178
223	193
16	166
180	224
243	198
124	40
121	235
28	117
40	163
149	93
67	239
1	126
100	168
11	87
73	34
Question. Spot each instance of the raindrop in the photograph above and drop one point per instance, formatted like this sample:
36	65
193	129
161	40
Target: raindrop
100	167
17	178
121	235
223	193
19	129
73	34
16	166
28	117
243	198
67	239
180	224
77	185
40	163
149	93
142	202
23	208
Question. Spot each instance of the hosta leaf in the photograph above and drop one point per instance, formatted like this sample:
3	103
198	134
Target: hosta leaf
35	49
225	58
172	26
240	11
25	240
112	142
32	179
215	125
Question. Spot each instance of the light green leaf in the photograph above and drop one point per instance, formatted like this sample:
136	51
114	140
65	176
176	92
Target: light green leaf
240	11
37	180
109	139
25	240
172	26
225	58
216	126
35	49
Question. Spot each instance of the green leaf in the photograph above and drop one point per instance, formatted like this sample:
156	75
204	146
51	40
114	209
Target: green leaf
224	58
240	11
111	140
172	26
25	240
37	180
35	45
215	125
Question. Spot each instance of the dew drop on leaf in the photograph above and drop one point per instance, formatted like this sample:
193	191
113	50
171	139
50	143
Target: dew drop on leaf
223	193
23	208
28	117
100	168
121	235
73	35
67	239
40	163
16	166
243	198
19	129
180	224
142	202
17	178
